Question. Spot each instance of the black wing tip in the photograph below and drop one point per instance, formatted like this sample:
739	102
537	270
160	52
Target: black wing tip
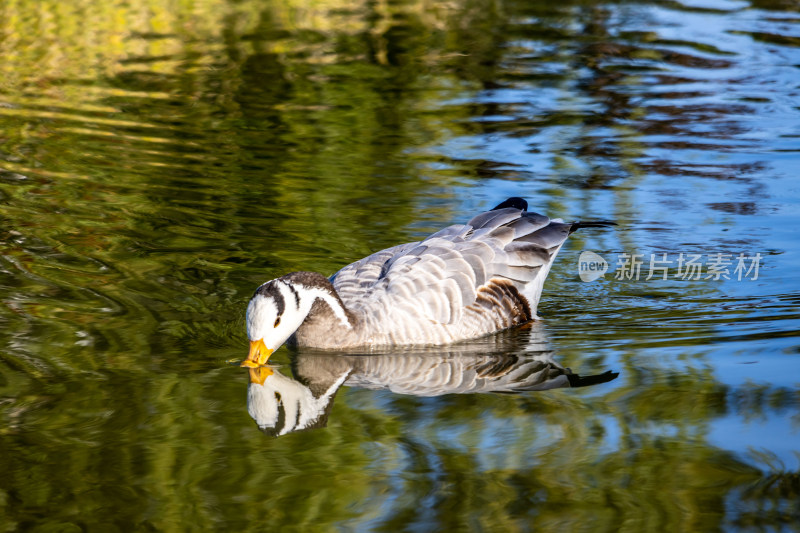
592	224
515	201
576	380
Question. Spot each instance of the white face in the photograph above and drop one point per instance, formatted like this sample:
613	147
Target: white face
262	313
273	314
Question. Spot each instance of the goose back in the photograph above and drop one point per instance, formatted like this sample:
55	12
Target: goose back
462	282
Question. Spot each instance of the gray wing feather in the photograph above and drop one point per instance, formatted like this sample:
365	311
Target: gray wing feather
528	223
439	278
452	231
353	280
494	218
549	236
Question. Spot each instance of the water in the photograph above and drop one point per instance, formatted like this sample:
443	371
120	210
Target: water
158	162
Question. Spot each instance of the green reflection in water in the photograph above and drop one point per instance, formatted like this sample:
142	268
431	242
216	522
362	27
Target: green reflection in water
159	160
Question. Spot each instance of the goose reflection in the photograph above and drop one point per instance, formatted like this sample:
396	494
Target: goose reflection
503	363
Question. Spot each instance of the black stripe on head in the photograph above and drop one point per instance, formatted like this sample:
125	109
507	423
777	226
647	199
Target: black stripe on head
270	290
296	294
311	280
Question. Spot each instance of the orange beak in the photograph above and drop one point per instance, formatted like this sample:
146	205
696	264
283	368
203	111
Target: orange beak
259	354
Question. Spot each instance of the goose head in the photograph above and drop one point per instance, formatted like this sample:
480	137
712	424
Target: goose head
270	321
280	306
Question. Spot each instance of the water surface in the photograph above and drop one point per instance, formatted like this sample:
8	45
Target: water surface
157	163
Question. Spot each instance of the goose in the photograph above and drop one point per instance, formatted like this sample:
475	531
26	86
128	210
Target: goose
463	282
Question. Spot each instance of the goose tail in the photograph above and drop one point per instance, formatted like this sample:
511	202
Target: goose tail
591	224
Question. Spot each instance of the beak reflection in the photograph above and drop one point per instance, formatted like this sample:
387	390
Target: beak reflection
260	374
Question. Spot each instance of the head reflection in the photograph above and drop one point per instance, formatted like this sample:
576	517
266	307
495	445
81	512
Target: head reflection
281	405
504	363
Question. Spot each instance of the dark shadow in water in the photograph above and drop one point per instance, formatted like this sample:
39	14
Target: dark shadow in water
508	362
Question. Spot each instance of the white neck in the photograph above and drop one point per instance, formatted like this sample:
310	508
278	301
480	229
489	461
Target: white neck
308	295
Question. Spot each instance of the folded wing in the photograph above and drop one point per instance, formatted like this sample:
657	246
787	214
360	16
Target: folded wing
490	264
